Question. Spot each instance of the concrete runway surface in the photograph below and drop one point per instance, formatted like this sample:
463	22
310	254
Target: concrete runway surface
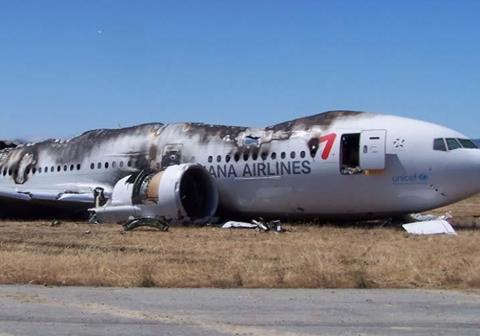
37	310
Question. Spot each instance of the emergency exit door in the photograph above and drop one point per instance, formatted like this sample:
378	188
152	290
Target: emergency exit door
172	155
373	149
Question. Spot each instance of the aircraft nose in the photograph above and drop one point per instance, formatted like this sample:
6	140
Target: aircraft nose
464	173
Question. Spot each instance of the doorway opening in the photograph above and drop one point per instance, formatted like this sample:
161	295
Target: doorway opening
350	154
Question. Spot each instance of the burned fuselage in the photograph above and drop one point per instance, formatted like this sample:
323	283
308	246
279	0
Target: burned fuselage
292	169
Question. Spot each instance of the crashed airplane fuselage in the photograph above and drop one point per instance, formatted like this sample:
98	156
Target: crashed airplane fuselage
334	164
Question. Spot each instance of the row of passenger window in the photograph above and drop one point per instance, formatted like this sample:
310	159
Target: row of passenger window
41	170
107	165
64	168
441	144
254	156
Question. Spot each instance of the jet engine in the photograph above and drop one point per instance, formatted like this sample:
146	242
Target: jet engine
182	194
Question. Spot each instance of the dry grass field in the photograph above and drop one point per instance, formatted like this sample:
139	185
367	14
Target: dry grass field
306	256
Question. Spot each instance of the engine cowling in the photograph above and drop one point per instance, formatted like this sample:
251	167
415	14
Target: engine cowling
184	193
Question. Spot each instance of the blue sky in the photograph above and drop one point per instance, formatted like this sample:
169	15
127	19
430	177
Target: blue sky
69	66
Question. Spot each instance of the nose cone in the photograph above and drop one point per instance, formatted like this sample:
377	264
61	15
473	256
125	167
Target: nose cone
463	173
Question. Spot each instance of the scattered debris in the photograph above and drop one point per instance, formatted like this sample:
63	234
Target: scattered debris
430	227
87	232
55	223
259	225
427	217
238	225
426	224
158	223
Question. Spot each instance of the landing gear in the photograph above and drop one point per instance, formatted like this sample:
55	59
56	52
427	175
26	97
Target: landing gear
158	223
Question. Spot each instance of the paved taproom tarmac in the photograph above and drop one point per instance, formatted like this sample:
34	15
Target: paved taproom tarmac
38	310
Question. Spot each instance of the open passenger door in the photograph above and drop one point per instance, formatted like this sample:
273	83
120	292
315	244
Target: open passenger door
373	149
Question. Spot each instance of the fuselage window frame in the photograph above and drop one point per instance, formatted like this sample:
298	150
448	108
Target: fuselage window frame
439	145
453	143
467	143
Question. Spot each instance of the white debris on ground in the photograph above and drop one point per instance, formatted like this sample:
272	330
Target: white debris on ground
430	225
238	225
259	225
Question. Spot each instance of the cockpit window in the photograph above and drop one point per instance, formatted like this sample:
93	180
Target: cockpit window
467	143
453	144
439	145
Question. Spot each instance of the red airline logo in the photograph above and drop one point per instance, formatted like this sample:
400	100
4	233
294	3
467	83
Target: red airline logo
330	140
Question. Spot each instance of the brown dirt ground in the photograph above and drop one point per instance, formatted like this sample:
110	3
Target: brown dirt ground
310	256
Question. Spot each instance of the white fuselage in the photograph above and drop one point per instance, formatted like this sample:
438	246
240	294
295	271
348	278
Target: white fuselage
273	172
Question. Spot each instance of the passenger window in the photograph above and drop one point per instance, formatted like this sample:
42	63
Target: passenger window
219	158
227	158
27	171
79	166
264	156
65	168
106	165
40	170
273	156
292	155
255	156
72	167
52	169
99	165
121	164
114	164
236	157
467	143
453	144
46	170
210	159
129	163
92	165
439	145
59	168
245	157
34	170
283	155
302	154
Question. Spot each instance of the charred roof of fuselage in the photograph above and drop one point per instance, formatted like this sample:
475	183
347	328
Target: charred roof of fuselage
77	148
207	131
323	120
7	144
106	133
